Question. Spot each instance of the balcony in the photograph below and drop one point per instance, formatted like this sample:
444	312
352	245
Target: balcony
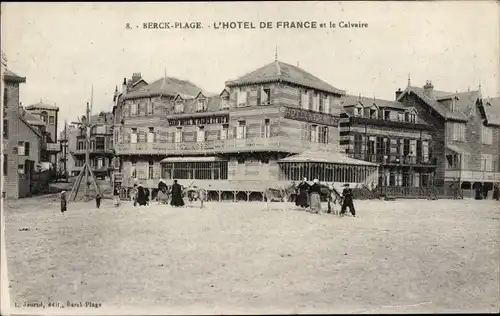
223	146
388	122
472	175
393	160
52	147
94	151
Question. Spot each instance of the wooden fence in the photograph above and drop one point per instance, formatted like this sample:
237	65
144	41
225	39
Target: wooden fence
420	192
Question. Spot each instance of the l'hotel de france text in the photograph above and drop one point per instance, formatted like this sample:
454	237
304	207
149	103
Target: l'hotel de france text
240	25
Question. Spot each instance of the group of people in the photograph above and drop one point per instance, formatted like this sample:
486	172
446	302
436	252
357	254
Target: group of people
309	197
140	195
481	192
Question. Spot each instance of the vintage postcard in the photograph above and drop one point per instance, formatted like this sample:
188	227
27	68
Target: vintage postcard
250	157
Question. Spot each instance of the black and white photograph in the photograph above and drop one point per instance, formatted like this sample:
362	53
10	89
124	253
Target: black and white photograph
291	157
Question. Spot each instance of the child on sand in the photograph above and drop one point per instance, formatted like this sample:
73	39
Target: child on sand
98	200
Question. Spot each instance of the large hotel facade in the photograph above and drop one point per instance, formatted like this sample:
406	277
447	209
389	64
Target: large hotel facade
270	127
279	123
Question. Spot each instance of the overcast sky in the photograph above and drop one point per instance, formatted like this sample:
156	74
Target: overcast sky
64	48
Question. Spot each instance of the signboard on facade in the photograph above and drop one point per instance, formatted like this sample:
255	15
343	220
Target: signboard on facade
309	116
218	119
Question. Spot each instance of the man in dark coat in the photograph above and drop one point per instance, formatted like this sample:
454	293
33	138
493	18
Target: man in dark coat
302	194
177	195
348	201
479	192
141	196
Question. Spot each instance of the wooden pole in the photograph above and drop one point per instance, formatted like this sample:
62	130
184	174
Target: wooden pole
87	151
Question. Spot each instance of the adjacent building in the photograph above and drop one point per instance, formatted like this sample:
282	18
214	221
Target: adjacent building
392	135
22	142
101	150
269	127
465	136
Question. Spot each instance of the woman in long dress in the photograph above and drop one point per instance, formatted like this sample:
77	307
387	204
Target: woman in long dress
302	196
176	195
142	198
315	192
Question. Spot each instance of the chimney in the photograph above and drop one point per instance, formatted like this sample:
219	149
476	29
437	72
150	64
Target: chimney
429	89
124	86
398	93
136	76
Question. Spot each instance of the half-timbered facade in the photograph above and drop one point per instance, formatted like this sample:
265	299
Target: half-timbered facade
235	142
392	135
466	138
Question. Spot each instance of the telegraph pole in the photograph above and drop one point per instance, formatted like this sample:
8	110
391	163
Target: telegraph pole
87	150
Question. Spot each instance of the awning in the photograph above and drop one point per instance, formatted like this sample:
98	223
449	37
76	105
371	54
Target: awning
458	148
192	159
326	157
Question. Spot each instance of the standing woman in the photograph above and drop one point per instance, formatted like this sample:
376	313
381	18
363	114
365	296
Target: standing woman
64	203
302	195
176	195
141	196
315	191
496	191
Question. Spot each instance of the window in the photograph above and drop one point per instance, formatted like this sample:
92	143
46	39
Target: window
265	97
5	128
151	135
200	136
151	170
150	107
44	115
267	128
241	160
225	103
20	148
20	168
133	136
321	105
373	112
100	163
241	130
323	134
401	116
224	131
179	106
99	143
133	109
201	105
358	110
314	133
51	120
304	100
486	162
241	97
465	161
387	115
5	165
458	132
178	135
486	135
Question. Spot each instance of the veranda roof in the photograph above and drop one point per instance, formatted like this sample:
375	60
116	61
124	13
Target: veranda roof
192	159
326	157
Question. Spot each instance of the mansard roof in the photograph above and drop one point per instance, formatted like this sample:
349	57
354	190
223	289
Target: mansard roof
11	76
280	71
167	86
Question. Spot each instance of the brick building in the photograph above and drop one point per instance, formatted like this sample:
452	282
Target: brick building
22	142
392	135
271	126
466	133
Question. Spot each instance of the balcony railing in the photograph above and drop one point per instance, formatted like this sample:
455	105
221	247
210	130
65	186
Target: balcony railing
472	175
94	151
53	147
388	122
223	146
392	159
